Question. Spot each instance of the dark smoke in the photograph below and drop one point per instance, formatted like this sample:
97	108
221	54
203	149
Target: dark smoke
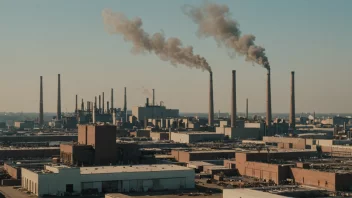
170	49
214	20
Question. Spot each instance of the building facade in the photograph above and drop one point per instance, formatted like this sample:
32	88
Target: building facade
58	180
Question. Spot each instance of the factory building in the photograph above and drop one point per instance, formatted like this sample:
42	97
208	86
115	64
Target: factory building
97	146
153	111
24	125
201	155
192	137
58	180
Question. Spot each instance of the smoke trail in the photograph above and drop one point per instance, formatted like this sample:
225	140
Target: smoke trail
214	20
170	49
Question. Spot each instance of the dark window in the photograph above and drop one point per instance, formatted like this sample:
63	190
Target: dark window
69	188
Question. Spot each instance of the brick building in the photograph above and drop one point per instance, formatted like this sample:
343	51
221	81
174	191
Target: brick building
186	155
97	146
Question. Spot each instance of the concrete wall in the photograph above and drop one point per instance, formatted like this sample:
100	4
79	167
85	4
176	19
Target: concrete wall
186	156
297	143
30	181
320	179
274	172
14	172
159	135
180	156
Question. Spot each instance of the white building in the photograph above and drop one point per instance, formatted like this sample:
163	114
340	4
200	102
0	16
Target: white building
56	180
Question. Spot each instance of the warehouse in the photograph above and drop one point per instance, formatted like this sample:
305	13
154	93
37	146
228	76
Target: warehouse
58	180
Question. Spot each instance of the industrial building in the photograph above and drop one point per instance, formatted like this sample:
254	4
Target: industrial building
182	155
97	146
150	111
24	125
192	137
58	180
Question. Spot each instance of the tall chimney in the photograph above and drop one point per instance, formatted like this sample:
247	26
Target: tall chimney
58	116
211	102
147	102
107	107
95	103
233	100
88	106
76	108
293	105
99	103
153	97
268	105
82	105
103	111
93	115
113	116
41	106
112	99
125	105
247	108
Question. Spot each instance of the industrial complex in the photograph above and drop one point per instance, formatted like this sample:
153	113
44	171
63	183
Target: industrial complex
101	150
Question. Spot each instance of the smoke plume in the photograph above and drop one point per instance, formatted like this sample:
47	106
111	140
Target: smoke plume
214	20
170	49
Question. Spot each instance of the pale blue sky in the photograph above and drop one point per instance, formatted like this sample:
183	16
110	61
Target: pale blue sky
40	37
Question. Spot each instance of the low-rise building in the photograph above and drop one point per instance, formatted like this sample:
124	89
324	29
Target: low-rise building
202	155
192	137
58	180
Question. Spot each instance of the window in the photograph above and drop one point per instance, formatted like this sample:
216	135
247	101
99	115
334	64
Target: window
69	188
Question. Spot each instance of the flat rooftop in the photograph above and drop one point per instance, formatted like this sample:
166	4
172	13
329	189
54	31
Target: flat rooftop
133	168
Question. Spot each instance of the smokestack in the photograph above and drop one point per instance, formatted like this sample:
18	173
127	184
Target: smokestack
103	111
93	115
58	116
99	104
247	108
125	105
293	105
107	107
76	108
233	100
41	106
211	101
113	116
95	103
268	100
147	102
82	105
153	97
112	98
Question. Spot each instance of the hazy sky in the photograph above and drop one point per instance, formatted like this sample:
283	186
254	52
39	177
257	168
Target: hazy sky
41	37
